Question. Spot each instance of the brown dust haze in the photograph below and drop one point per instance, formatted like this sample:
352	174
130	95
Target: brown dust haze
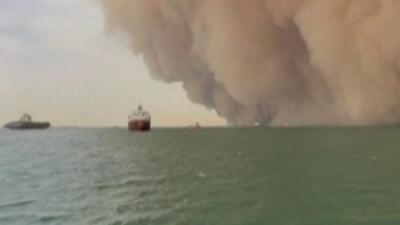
301	62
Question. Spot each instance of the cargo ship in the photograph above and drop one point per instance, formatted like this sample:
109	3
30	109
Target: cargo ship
26	123
140	120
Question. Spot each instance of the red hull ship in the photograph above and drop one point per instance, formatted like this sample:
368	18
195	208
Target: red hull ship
140	120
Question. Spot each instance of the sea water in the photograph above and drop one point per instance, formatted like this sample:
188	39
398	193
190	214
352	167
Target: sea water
260	176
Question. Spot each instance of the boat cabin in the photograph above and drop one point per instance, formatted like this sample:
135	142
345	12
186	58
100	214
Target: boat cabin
140	114
26	118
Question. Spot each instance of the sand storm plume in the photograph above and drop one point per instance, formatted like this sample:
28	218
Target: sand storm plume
304	62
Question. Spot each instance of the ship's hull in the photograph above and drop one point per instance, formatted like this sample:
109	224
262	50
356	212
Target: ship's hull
139	125
27	125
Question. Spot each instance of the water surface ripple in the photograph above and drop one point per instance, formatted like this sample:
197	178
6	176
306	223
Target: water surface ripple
309	176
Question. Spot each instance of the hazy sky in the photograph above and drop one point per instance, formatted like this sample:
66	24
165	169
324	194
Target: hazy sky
58	64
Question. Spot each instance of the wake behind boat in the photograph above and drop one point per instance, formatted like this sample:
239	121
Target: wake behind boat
26	123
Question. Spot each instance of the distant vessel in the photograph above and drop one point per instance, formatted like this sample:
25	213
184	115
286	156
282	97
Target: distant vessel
195	126
26	123
140	120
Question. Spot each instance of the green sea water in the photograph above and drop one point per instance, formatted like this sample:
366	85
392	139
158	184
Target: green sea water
303	176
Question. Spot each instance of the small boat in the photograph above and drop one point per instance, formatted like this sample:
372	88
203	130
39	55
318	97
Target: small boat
140	120
26	123
196	126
